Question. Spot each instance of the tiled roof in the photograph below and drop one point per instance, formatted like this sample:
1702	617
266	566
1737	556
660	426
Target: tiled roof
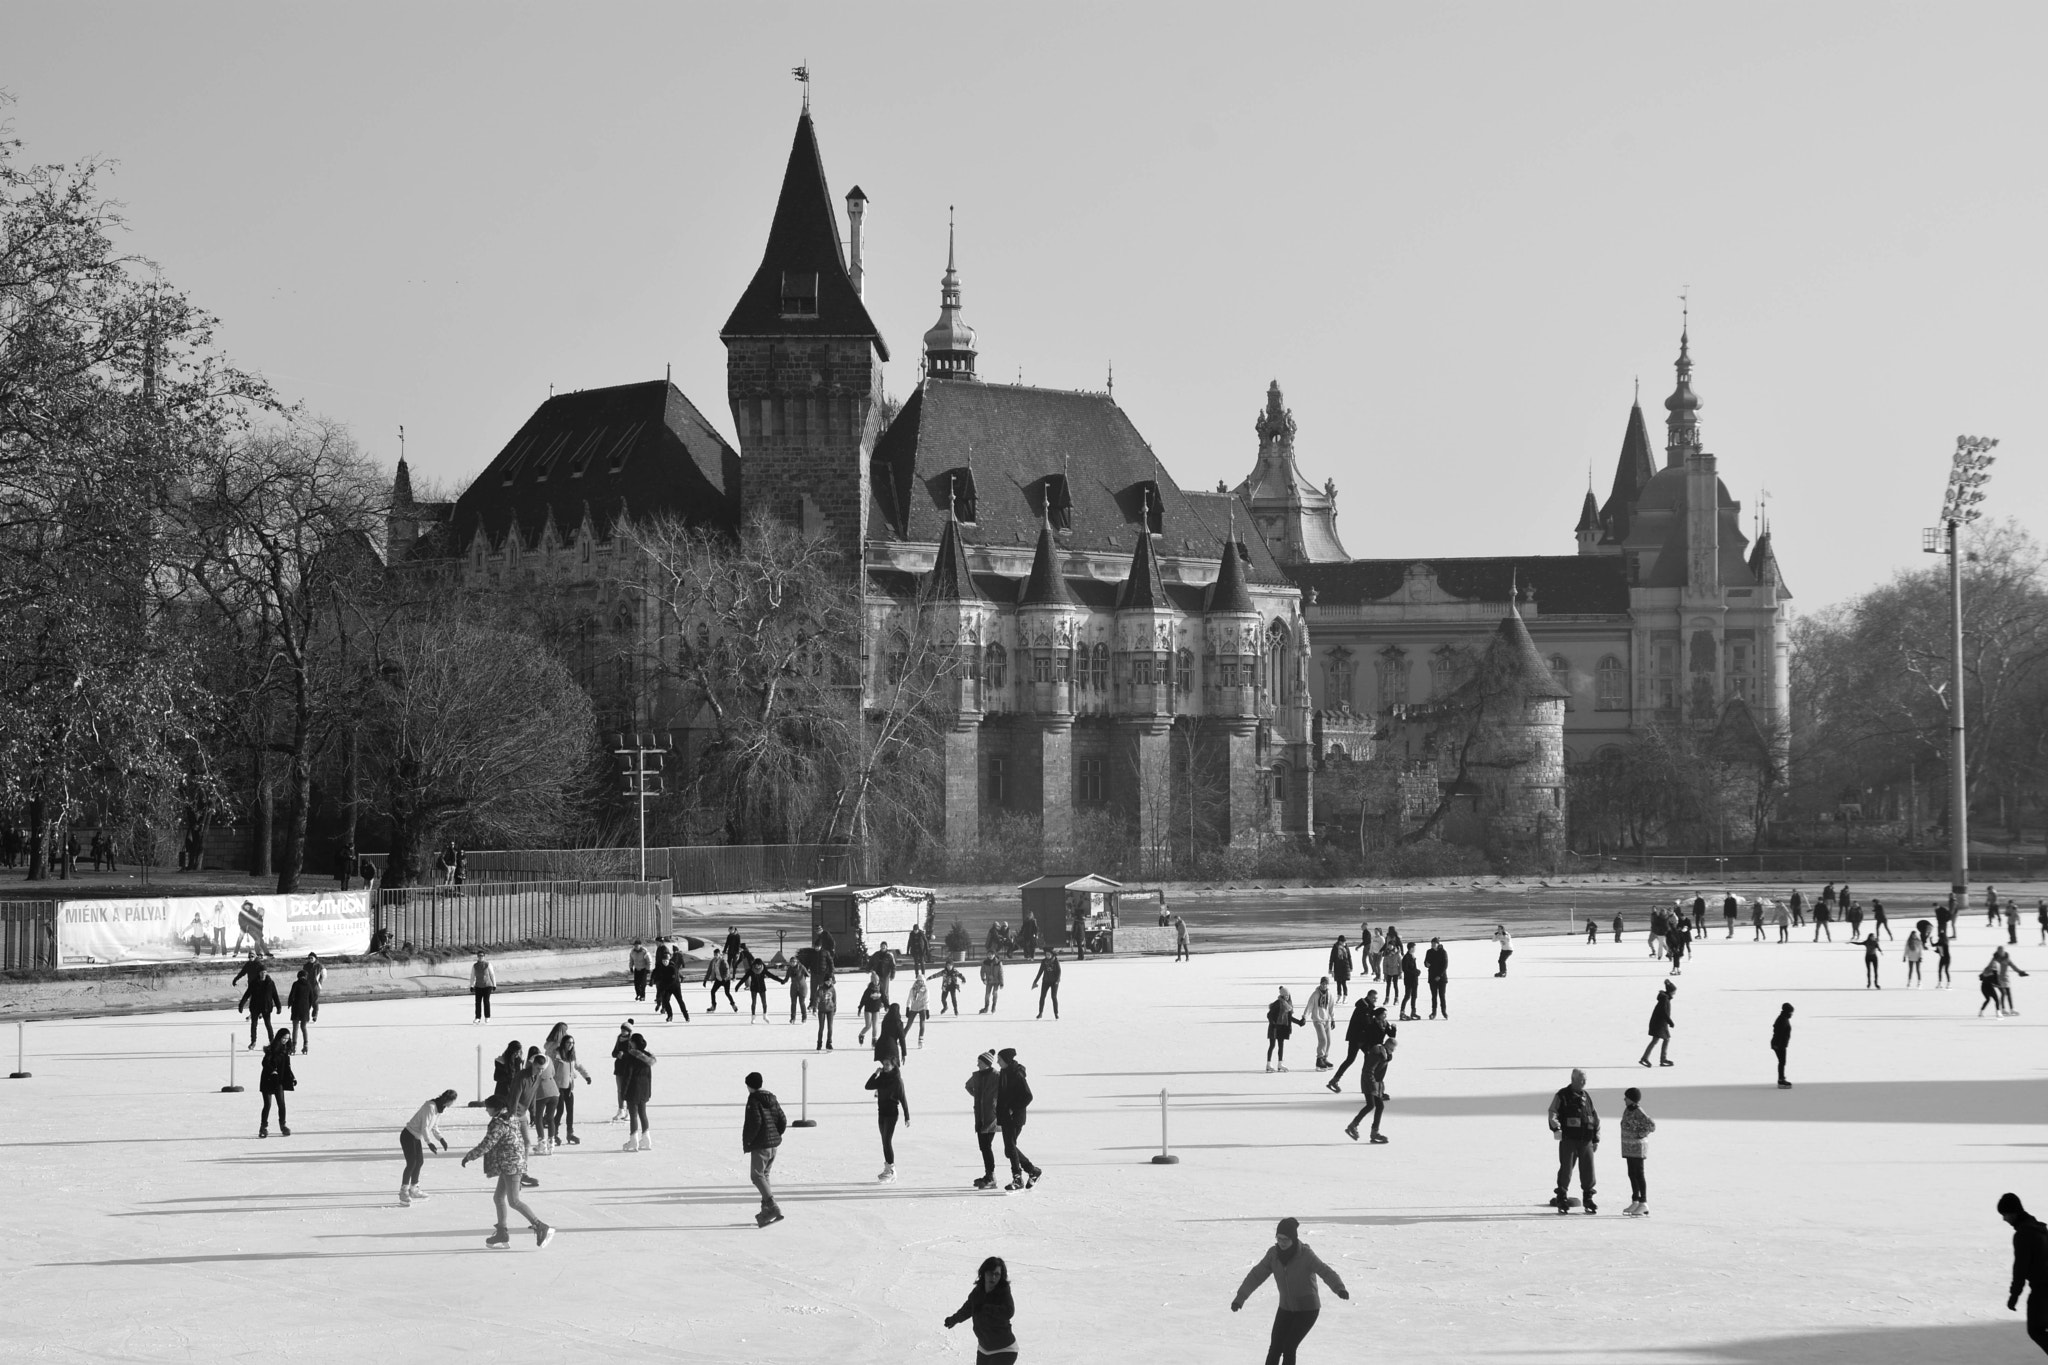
951	580
1635	467
1047	586
1560	584
1512	647
803	239
1227	592
638	448
1144	586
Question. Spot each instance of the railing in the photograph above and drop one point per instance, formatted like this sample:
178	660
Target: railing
28	935
691	870
501	914
1814	862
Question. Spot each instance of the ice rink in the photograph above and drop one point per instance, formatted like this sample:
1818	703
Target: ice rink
1847	1219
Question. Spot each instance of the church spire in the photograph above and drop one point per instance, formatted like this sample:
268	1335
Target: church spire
949	345
1682	427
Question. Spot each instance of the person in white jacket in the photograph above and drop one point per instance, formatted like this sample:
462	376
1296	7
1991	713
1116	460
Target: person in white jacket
1322	1015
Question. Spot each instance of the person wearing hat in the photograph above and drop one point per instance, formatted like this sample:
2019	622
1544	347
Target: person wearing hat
1013	1097
2029	1266
1294	1269
982	1085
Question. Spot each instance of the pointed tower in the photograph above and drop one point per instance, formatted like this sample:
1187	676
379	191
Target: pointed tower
949	345
1227	739
1297	519
804	367
1049	623
1682	425
1588	529
1143	653
1682	450
958	612
1633	470
1519	758
401	522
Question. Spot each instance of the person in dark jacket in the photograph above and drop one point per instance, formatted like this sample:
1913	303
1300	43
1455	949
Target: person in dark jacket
892	1036
639	1089
990	1307
890	1102
760	1136
301	1003
1294	1270
1660	1028
982	1085
1577	1125
918	946
758	977
1340	967
1048	981
1281	1021
260	998
1360	1035
277	1079
1781	1041
1372	1079
1013	1097
1411	974
1436	964
2029	1266
883	965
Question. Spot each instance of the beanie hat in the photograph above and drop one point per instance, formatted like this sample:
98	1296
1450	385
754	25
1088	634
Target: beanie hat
753	1080
1290	1228
1008	1054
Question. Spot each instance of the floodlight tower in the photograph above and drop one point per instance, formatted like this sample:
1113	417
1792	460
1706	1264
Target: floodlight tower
1968	472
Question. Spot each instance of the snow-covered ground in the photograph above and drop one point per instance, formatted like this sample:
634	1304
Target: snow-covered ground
1847	1219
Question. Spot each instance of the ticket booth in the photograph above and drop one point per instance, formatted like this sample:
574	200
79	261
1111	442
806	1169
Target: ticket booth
1053	903
863	918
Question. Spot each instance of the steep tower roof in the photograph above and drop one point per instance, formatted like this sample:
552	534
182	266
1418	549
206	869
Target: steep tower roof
1514	652
1763	564
1589	515
1047	586
1682	427
1143	588
401	485
802	287
1633	469
951	580
1228	592
949	345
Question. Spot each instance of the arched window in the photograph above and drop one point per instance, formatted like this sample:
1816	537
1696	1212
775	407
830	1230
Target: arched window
1185	678
1078	667
1100	671
1340	674
995	667
1392	670
1276	662
1611	684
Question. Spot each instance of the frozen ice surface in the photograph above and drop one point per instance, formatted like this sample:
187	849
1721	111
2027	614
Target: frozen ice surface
1848	1219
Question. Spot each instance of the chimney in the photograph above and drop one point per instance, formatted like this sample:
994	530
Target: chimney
856	206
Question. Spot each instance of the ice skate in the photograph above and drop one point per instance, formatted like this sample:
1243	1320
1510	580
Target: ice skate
1380	1138
647	1142
1015	1184
283	1131
632	1144
499	1240
987	1182
1031	1181
405	1197
543	1233
888	1174
1591	1207
418	1193
1351	1133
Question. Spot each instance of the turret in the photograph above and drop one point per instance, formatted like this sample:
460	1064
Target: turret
1048	624
949	346
1230	646
1145	636
1588	529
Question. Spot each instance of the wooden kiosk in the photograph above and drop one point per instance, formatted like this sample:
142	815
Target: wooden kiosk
1053	902
863	918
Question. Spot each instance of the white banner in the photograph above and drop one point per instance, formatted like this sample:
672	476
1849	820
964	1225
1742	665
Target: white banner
180	928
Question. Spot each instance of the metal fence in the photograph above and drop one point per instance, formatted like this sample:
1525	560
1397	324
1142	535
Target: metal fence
499	915
692	870
28	935
1814	862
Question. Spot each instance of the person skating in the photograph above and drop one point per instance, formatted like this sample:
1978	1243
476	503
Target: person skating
917	1007
620	1043
2012	920
718	976
761	1132
1577	1126
1013	1100
1699	915
638	965
1372	1079
2006	967
1870	956
420	1135
483	979
1411	976
869	1008
1677	939
826	1007
1048	982
1617	926
1797	904
1027	937
883	965
1340	967
1592	932
547	1094
1853	913
798	978
1823	911
1756	918
639	1089
918	946
260	997
983	1084
1359	1035
1280	1025
1636	1127
1437	963
1781	1041
1294	1269
300	1003
1912	953
758	977
567	1069
1661	1025
950	982
887	1083
892	1036
1991	907
2029	1266
504	1159
990	1307
991	982
1941	963
1880	922
1180	940
1507	948
1322	1017
1786	916
1730	908
275	1081
2041	917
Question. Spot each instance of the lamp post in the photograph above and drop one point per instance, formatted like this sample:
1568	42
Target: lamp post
1968	472
640	763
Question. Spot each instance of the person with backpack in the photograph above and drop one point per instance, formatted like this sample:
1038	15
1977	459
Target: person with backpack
761	1130
2029	1266
504	1158
1576	1124
982	1084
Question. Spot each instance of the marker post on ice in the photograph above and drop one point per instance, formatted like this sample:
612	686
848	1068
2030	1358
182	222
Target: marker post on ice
1165	1158
806	1121
478	1102
231	1088
20	1072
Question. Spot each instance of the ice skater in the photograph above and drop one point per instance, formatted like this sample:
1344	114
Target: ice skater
917	1005
892	1036
638	965
1880	922
1294	1269
260	997
1359	1035
504	1160
1661	1025
1577	1126
950	982
1617	926
1323	1018
982	1084
1781	1041
1280	1025
990	1308
1340	967
1942	957
1871	951
1636	1127
1372	1078
991	982
567	1069
887	1083
826	1007
419	1136
1437	963
799	980
1785	918
1013	1100
2029	1266
483	979
761	1130
1823	909
1912	953
1180	940
300	1003
1048	983
1411	976
1592	932
870	1009
1506	946
639	1089
1730	908
277	1078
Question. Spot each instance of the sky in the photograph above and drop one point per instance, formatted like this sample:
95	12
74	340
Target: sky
1457	235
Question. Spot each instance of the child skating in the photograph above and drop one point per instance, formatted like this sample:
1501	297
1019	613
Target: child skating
505	1160
1636	1127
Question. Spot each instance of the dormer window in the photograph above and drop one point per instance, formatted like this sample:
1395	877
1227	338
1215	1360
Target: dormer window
799	293
1140	501
955	489
1057	501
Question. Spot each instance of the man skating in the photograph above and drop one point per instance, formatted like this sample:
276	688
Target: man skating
1437	964
1048	983
1359	1035
1013	1097
1373	1081
760	1137
1577	1126
2029	1266
1781	1041
1730	908
1180	940
638	963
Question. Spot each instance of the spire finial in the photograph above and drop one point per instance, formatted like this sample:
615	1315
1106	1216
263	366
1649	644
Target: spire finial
803	76
1112	379
949	238
401	443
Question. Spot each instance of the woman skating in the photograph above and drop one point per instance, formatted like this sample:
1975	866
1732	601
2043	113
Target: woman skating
277	1079
992	982
1661	1025
826	1007
1941	961
567	1069
1340	966
892	1036
1322	1015
1913	952
1506	944
505	1160
989	1307
421	1133
917	1006
619	1046
1280	1025
300	1002
1636	1127
1294	1269
887	1083
639	1089
1870	955
870	1009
